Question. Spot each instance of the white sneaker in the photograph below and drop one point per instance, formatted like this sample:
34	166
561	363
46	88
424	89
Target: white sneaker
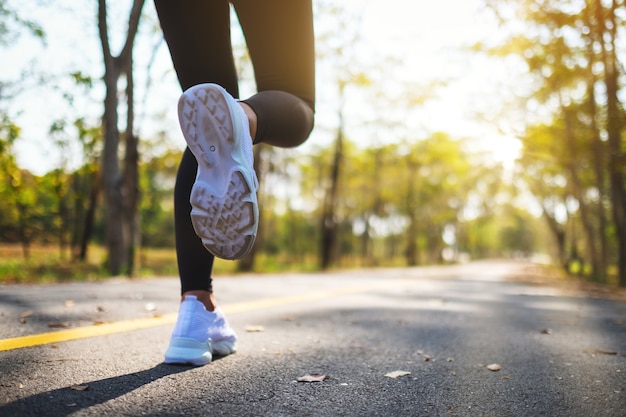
225	212
199	335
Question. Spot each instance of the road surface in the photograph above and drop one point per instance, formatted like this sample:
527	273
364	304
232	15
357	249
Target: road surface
434	341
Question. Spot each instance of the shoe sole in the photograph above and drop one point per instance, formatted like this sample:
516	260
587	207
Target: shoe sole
223	198
188	351
224	348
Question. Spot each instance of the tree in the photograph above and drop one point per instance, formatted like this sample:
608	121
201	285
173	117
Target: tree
608	21
121	193
571	52
340	41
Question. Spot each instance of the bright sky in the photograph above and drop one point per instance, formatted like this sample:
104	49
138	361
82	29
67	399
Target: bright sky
425	35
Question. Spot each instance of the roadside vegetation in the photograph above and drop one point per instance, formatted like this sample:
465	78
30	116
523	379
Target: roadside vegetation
385	194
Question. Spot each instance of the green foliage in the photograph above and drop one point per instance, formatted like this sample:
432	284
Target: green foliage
395	202
570	50
156	207
11	24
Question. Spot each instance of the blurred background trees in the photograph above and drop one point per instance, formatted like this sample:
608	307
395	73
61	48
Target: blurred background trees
574	154
381	194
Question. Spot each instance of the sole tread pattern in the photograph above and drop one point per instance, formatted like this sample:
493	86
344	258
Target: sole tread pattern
223	199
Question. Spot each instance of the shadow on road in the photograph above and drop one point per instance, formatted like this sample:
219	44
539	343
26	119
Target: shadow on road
68	400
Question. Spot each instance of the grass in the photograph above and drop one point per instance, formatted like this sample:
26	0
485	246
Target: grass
46	265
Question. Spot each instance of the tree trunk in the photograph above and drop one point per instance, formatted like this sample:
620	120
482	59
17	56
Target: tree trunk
115	240
617	158
118	186
559	237
131	174
577	191
328	242
90	215
329	223
597	146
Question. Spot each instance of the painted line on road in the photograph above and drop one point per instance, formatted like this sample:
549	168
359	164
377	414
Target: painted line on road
167	319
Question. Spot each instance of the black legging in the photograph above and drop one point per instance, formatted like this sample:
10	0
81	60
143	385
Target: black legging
279	35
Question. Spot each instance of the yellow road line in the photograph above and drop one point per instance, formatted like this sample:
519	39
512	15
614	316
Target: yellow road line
137	324
85	332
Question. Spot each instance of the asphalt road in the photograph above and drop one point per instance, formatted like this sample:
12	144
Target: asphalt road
394	342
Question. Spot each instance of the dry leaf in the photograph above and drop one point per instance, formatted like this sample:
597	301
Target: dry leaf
80	387
312	378
59	324
426	358
397	374
25	315
254	329
494	367
600	352
604	352
546	331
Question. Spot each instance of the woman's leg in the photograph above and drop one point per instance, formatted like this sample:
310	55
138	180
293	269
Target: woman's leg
280	39
279	34
197	33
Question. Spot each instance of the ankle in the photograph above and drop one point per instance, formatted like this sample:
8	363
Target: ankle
205	297
252	118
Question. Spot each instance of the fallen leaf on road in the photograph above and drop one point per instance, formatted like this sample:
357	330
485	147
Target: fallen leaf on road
600	352
426	358
605	352
59	324
80	387
546	331
397	374
254	328
494	367
25	315
312	378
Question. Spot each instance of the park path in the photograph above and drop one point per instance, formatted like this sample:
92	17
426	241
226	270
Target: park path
464	340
